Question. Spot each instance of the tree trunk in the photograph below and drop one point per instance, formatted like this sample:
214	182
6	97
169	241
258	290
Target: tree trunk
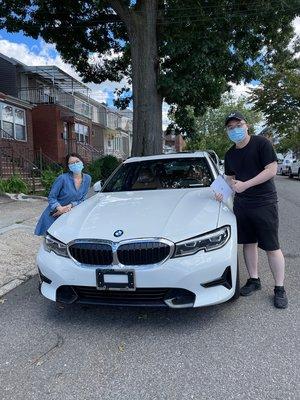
147	102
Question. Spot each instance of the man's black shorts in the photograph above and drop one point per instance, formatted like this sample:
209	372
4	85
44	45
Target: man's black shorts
258	225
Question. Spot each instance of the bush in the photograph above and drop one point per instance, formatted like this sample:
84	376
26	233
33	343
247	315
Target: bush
94	169
109	164
102	168
48	176
14	184
2	186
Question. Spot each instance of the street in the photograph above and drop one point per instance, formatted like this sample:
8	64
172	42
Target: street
245	349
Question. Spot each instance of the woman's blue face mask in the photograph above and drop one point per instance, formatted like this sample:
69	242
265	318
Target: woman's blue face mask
77	167
237	134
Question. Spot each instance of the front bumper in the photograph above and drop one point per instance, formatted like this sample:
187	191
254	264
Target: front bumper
192	281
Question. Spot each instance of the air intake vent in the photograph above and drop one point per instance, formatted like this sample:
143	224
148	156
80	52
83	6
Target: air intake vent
143	253
92	253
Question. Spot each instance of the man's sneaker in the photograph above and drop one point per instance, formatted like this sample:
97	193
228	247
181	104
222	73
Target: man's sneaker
251	286
280	298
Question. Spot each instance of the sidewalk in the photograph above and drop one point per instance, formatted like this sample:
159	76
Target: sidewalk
18	245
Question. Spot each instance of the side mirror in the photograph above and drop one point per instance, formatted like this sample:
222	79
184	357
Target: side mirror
97	186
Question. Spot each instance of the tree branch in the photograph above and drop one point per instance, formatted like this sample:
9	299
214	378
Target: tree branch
122	10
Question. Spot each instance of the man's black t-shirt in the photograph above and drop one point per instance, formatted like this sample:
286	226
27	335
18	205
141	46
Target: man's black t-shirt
248	162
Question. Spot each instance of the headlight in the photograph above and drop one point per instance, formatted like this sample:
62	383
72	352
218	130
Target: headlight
209	241
51	244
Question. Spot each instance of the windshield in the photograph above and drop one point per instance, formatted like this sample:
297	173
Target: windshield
171	173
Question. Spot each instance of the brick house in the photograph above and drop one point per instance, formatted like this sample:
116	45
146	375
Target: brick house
62	120
58	115
16	126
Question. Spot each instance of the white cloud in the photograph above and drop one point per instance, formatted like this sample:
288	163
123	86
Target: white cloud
242	90
296	25
165	119
46	54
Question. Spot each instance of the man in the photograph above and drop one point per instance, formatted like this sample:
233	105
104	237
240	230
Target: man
250	165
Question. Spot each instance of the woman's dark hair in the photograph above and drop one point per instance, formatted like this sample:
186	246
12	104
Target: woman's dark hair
72	155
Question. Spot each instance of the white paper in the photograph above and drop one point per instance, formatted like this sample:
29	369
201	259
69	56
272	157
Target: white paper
219	185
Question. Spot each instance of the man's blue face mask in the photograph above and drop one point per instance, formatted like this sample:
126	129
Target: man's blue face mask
76	168
237	134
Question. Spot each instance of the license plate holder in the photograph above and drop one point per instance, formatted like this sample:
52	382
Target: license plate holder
102	283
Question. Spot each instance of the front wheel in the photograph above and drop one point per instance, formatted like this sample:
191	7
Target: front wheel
290	174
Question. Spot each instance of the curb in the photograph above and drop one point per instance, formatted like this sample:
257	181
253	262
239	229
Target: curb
7	287
24	197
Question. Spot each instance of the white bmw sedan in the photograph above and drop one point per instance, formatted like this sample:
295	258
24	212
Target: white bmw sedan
153	236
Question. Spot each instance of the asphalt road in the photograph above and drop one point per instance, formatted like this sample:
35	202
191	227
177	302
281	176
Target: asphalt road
242	350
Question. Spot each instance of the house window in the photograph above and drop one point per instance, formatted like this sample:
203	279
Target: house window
117	143
82	132
65	131
13	122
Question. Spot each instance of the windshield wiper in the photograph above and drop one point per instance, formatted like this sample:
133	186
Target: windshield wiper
195	185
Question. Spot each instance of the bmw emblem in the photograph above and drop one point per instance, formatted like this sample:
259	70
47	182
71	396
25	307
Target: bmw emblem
118	233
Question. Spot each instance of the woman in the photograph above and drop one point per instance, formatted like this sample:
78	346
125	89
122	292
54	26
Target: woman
68	190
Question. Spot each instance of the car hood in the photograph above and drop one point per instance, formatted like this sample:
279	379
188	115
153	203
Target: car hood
174	214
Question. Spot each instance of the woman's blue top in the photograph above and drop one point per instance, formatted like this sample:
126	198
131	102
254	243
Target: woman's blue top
62	193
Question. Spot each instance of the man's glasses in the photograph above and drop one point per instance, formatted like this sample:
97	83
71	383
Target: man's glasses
237	125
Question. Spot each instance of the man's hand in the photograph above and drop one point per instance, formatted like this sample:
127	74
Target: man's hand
219	197
239	186
62	210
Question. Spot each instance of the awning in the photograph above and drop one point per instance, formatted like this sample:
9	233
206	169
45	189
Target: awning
56	76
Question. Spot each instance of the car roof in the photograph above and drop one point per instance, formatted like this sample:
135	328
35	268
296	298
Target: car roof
167	156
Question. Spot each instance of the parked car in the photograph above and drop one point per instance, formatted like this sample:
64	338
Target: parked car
153	236
286	164
294	169
280	167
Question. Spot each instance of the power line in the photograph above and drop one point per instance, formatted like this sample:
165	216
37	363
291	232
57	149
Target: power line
259	4
179	20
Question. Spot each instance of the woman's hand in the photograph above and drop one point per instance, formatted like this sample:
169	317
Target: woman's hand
62	210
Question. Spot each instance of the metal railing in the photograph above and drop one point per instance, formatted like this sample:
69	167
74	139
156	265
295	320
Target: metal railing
85	150
116	153
45	162
17	159
53	95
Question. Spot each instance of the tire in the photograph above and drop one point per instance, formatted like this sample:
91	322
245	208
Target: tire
291	176
237	284
299	173
281	172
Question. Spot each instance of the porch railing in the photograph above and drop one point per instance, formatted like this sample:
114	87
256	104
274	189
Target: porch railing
16	158
54	95
49	95
116	153
44	162
85	150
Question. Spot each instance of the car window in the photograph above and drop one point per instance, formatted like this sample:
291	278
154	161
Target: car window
161	174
